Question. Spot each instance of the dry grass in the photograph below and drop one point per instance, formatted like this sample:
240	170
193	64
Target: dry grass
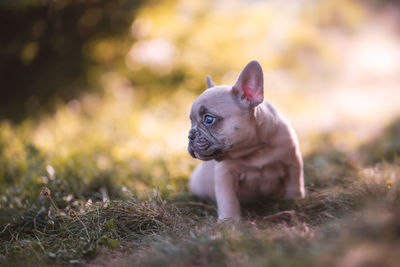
350	209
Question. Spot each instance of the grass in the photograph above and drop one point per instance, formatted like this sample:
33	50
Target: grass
349	218
115	199
118	179
68	236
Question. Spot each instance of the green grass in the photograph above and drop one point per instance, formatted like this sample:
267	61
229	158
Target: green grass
123	215
352	211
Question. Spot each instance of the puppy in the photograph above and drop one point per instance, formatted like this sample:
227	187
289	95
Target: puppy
250	151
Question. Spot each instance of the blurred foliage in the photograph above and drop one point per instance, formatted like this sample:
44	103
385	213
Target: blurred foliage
384	147
326	164
52	49
190	37
99	141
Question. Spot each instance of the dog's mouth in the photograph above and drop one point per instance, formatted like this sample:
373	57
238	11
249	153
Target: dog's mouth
204	150
203	145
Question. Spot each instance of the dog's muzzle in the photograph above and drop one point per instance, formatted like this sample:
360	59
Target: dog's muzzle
200	147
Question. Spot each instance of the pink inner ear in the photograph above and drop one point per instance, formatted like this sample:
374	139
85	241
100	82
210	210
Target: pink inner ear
249	94
249	85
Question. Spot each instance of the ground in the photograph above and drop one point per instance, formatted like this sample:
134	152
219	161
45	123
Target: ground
350	216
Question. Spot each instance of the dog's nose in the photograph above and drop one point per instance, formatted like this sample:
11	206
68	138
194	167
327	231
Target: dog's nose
192	134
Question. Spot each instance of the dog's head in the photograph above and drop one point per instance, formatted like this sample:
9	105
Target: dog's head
223	116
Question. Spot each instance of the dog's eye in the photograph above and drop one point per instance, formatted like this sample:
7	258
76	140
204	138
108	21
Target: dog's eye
208	119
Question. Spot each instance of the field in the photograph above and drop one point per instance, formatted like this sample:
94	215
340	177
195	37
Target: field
102	179
349	218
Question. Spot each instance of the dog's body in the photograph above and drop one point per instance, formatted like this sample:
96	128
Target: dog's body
252	151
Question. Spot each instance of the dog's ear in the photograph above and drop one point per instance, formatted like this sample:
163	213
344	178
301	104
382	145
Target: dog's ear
209	82
249	88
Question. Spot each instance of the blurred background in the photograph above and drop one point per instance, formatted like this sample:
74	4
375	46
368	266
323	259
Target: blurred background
94	92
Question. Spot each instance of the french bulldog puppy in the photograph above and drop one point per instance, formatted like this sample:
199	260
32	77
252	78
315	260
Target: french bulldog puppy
250	151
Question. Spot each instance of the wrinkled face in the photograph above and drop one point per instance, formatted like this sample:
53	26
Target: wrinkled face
218	124
223	116
205	140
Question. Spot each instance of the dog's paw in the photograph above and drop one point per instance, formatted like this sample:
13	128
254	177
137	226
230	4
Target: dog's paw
228	219
295	194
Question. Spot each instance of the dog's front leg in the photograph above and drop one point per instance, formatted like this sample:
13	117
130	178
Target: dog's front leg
295	183
226	187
